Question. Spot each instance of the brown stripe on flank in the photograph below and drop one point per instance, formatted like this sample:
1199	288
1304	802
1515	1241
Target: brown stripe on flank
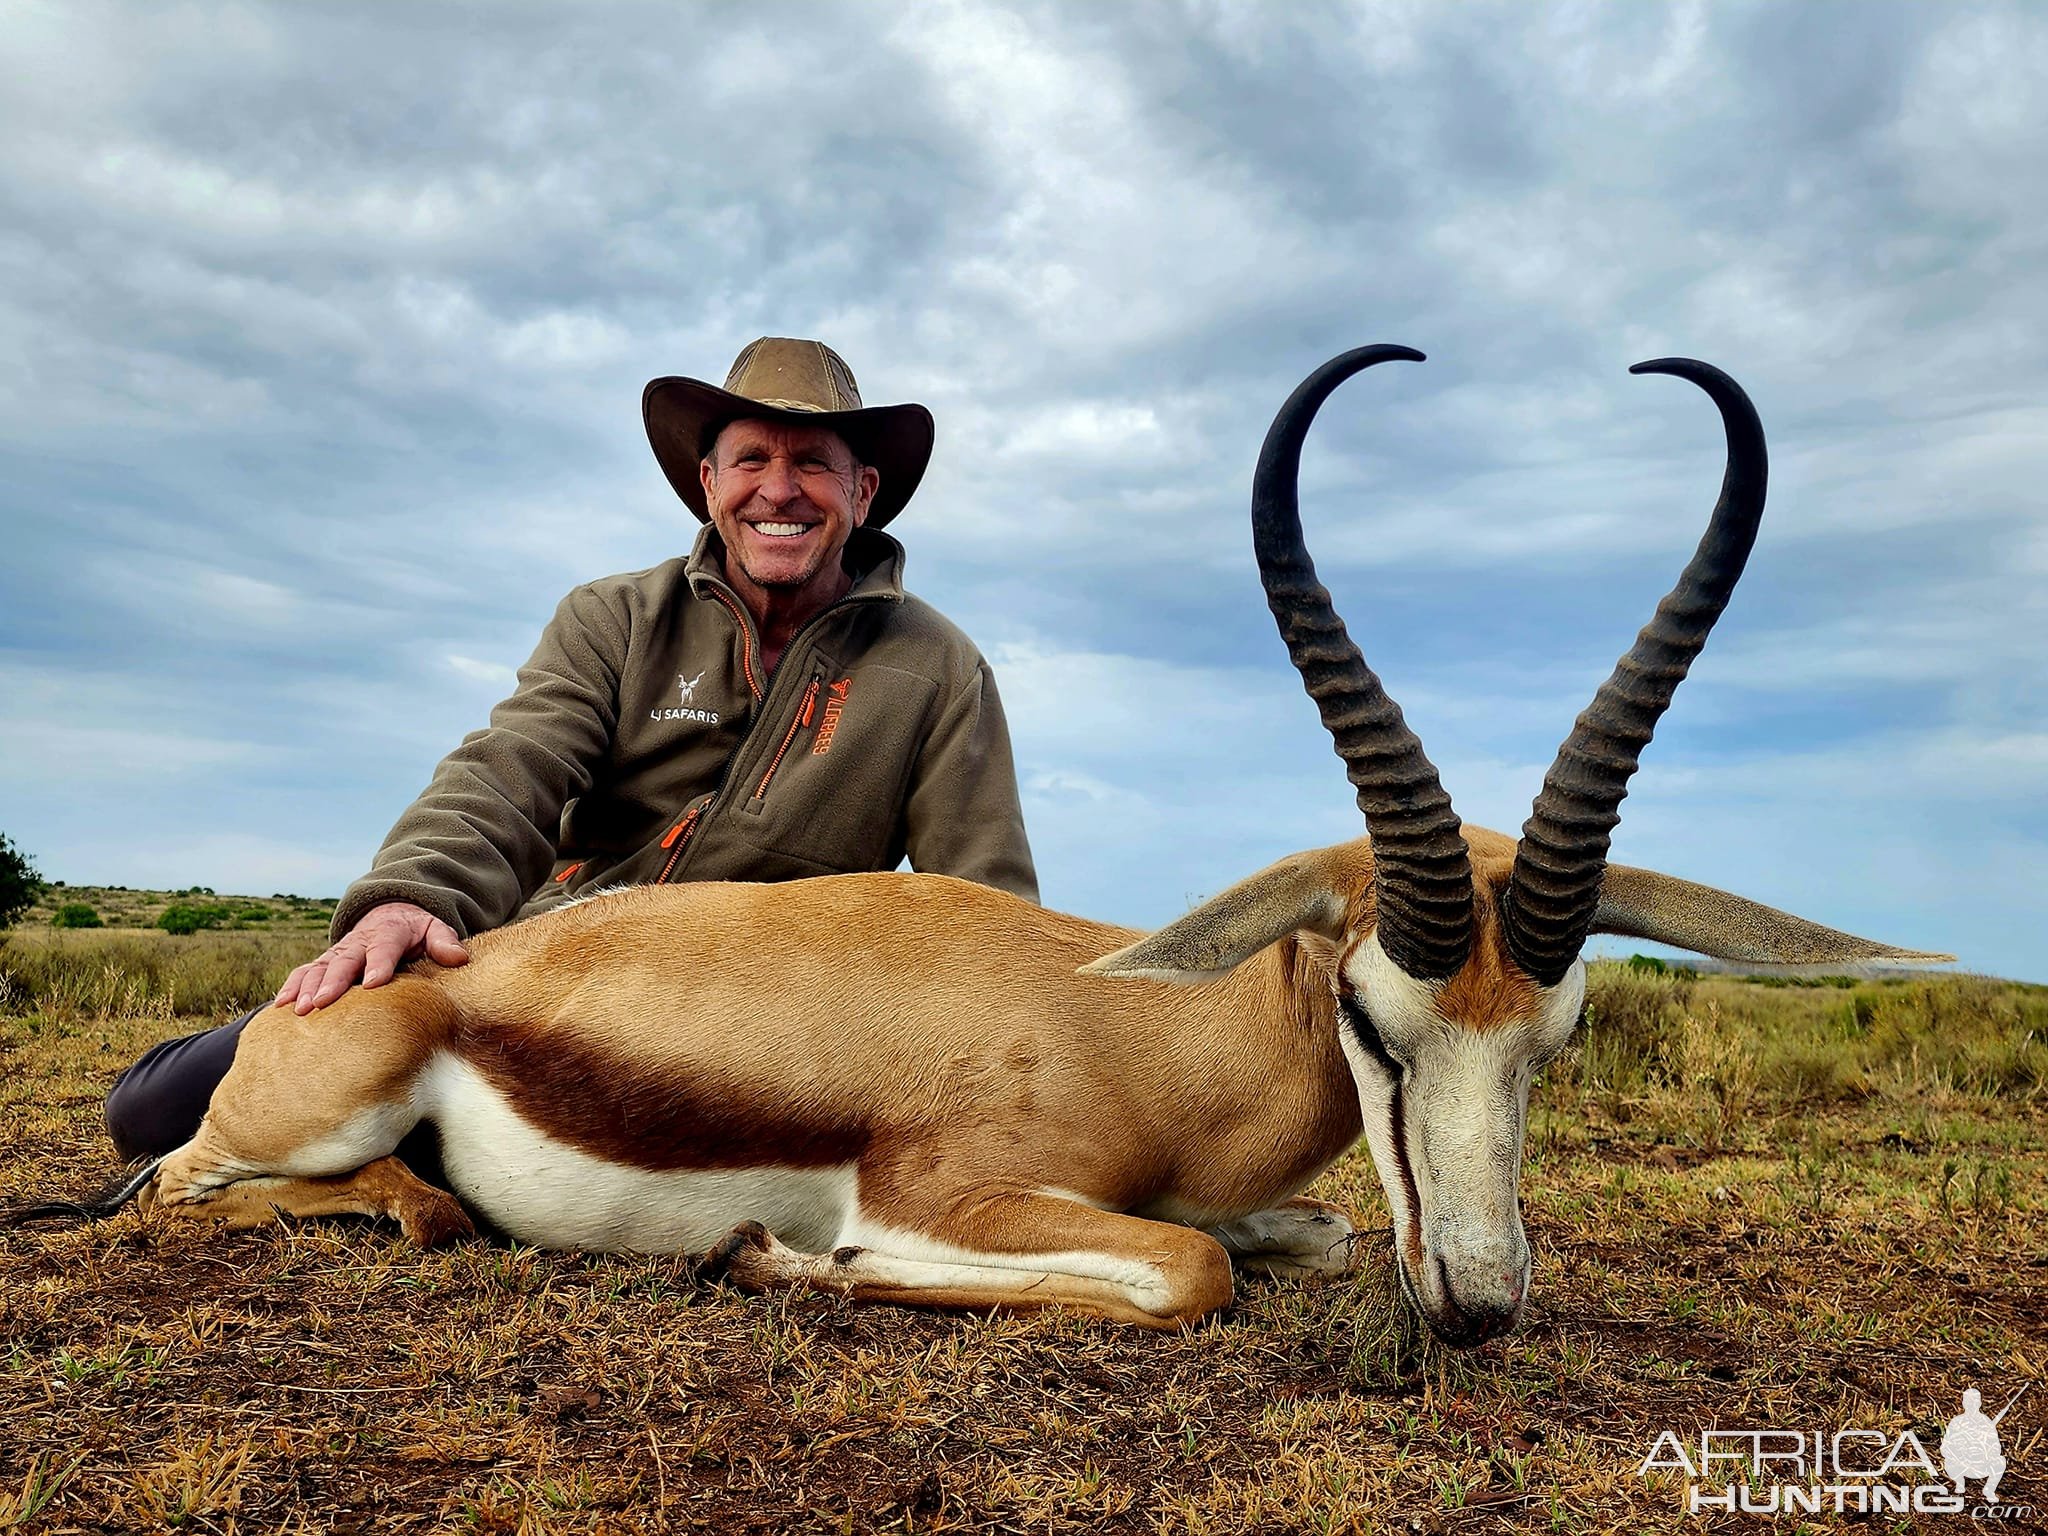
625	1112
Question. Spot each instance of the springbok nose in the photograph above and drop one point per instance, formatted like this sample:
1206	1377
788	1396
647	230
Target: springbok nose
1478	1310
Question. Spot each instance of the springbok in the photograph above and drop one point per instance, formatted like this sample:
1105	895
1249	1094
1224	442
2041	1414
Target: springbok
913	1089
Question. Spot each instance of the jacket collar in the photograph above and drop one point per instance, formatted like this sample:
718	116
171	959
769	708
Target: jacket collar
873	558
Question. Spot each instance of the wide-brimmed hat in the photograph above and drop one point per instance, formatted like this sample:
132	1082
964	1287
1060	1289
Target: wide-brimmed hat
778	378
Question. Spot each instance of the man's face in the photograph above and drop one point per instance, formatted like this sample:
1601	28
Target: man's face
785	498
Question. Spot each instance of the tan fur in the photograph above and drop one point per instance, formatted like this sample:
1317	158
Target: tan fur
1491	990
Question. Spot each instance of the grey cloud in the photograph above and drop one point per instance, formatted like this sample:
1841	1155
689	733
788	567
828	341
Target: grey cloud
322	330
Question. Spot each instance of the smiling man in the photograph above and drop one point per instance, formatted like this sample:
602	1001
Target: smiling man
775	705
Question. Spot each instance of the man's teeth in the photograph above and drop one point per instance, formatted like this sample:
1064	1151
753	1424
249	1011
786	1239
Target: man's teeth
781	530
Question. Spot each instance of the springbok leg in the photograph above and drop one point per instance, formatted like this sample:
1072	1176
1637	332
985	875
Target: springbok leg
1296	1238
1014	1250
383	1187
316	1101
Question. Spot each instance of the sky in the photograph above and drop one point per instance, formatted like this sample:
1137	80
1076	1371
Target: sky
323	328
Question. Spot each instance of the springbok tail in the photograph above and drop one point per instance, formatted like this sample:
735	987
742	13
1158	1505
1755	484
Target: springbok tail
88	1210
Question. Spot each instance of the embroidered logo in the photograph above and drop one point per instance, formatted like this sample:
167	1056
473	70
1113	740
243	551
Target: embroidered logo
835	705
683	709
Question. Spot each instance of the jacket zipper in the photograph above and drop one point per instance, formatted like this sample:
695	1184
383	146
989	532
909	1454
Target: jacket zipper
679	835
797	722
746	645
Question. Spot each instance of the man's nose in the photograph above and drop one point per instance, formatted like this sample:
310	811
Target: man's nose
778	482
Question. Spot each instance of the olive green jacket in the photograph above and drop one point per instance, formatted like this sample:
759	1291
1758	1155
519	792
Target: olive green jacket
645	742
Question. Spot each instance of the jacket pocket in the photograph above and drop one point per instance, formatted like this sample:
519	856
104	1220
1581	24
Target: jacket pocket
802	720
837	799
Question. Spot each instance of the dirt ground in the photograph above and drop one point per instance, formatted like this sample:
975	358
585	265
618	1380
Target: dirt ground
1809	1265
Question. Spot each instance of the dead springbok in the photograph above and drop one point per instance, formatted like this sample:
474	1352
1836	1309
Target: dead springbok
913	1089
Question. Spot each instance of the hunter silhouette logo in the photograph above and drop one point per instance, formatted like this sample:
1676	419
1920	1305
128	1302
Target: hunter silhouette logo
835	705
685	708
1970	1448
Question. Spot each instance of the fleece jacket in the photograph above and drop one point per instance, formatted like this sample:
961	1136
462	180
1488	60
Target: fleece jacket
645	742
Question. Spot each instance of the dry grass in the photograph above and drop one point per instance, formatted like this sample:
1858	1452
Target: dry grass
1801	1206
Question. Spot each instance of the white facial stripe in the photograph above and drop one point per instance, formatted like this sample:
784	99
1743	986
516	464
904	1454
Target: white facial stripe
1447	1137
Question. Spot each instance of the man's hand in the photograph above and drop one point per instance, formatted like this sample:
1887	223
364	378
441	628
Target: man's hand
373	950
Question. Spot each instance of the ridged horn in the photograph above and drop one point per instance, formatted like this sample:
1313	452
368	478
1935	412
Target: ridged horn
1422	873
1552	895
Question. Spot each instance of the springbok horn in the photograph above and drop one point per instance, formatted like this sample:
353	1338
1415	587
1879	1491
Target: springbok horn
1552	894
1422	874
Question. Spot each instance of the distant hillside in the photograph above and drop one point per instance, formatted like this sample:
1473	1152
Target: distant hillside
117	906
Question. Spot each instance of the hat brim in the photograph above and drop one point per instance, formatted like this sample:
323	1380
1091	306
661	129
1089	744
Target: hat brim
895	439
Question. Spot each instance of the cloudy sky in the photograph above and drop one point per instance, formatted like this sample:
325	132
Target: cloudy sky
323	327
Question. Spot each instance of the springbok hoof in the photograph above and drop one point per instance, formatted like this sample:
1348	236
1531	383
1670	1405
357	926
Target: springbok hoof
748	1236
431	1222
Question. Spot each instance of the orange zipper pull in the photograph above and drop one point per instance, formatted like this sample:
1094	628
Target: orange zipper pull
563	877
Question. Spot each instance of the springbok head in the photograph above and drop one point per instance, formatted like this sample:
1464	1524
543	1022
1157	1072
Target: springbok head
1455	951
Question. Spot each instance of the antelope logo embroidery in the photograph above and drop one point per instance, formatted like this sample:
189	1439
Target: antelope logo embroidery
835	704
683	708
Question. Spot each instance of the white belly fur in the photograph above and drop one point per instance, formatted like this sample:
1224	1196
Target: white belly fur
548	1193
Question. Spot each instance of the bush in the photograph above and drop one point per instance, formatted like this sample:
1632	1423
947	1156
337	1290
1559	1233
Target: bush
20	885
75	914
1632	1015
179	918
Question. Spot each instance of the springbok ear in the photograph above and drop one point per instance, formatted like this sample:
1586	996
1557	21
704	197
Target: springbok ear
1643	904
1228	929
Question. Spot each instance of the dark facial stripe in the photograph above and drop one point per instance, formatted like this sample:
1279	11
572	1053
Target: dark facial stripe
1366	1033
1398	1118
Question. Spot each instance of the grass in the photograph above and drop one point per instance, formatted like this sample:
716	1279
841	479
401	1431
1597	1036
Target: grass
1811	1205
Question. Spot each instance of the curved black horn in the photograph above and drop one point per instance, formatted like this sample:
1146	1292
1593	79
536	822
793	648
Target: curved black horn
1550	899
1422	873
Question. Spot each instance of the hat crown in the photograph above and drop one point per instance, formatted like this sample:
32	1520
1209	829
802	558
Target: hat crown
794	375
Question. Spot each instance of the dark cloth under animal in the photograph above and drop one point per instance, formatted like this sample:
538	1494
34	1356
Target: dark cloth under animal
157	1104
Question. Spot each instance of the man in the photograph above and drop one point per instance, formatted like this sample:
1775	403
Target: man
771	707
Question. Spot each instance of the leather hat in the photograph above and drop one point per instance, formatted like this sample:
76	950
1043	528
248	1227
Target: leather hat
779	378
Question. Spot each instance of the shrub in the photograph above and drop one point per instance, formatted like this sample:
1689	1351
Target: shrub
179	918
20	885
1632	1014
75	914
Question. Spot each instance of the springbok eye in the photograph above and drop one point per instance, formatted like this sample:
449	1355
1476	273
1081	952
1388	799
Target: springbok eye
1367	1034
